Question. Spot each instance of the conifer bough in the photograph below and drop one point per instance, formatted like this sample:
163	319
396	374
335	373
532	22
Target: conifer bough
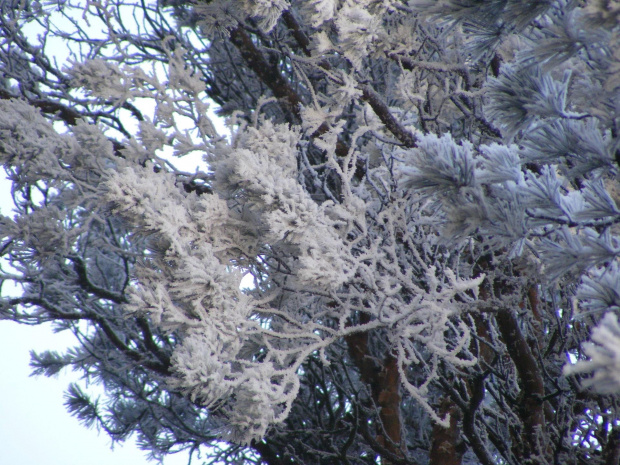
423	194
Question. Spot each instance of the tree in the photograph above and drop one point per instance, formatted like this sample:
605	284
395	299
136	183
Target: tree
425	195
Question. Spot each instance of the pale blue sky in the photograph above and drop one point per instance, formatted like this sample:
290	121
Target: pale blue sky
35	428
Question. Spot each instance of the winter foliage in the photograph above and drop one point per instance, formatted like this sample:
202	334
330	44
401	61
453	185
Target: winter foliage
425	196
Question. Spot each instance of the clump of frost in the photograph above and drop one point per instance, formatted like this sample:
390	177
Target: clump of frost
603	354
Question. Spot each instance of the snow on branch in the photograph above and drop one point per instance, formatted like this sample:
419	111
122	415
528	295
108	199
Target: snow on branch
423	194
603	353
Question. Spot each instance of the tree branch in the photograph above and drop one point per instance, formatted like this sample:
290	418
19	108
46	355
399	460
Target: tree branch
271	77
530	380
80	269
384	383
407	138
446	445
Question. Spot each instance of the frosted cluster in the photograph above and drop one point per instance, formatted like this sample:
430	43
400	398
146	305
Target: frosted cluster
409	226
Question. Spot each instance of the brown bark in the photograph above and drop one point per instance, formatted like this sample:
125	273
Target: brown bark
384	382
387	118
301	38
533	443
268	74
475	387
531	410
446	447
388	398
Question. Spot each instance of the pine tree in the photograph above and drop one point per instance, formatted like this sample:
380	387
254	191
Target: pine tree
423	194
